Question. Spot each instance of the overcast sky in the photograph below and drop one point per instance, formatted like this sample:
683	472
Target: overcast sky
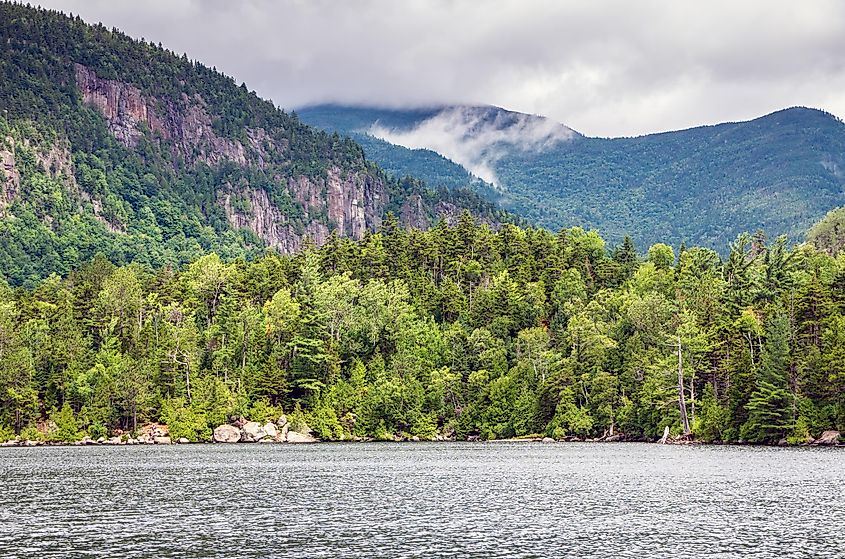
606	68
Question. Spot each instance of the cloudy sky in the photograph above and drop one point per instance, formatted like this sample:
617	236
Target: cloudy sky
606	68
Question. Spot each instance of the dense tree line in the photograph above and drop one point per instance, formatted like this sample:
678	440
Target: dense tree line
458	330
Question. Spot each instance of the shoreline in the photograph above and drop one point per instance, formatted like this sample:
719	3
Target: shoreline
108	443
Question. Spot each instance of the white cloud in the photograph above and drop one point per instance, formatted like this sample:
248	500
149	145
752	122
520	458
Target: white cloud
610	67
477	137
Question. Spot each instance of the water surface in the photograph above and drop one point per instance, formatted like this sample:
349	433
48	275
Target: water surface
422	500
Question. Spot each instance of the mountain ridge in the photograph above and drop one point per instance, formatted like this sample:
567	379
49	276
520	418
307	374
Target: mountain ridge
785	164
168	158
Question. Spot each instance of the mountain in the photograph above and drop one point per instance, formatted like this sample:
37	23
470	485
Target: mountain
780	172
117	146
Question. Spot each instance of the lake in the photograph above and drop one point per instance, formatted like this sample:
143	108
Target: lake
486	500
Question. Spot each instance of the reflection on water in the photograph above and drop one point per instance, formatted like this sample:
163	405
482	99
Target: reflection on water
422	500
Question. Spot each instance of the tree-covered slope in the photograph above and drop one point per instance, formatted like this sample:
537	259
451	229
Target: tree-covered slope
397	160
780	173
453	332
114	145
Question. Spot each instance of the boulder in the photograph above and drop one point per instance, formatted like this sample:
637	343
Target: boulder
548	440
270	430
115	441
294	437
282	421
226	434
828	438
162	440
265	441
252	432
282	434
183	440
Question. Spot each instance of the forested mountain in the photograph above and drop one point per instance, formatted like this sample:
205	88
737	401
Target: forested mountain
115	145
702	186
453	332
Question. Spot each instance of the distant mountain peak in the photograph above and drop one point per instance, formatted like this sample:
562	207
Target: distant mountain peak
476	136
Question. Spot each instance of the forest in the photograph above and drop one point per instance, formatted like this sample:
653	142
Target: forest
455	332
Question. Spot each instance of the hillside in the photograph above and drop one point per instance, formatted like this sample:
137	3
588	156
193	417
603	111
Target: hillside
780	173
118	146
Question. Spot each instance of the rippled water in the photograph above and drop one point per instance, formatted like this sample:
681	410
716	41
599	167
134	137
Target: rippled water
422	500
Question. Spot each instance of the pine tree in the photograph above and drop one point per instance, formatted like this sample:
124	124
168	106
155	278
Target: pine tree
771	408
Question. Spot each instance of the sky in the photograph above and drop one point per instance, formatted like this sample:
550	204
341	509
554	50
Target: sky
603	68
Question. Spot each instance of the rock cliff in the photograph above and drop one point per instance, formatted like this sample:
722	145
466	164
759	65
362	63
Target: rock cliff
348	202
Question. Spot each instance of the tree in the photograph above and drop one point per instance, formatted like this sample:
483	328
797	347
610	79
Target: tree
771	408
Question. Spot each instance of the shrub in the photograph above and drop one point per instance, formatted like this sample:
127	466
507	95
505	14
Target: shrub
185	421
67	426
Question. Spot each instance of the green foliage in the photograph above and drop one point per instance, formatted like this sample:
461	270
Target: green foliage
185	421
458	331
67	428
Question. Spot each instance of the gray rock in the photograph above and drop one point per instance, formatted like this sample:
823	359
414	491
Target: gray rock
183	440
226	434
282	434
828	438
162	440
252	432
548	440
270	430
294	437
282	421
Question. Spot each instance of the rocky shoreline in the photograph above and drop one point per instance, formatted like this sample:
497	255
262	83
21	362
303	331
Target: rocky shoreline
280	432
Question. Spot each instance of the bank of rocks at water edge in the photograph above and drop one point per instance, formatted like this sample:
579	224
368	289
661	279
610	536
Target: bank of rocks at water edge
243	431
239	431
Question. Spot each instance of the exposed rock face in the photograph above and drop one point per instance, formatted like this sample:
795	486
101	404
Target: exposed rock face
227	434
828	438
269	223
188	125
413	214
294	437
270	430
353	202
252	432
11	178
